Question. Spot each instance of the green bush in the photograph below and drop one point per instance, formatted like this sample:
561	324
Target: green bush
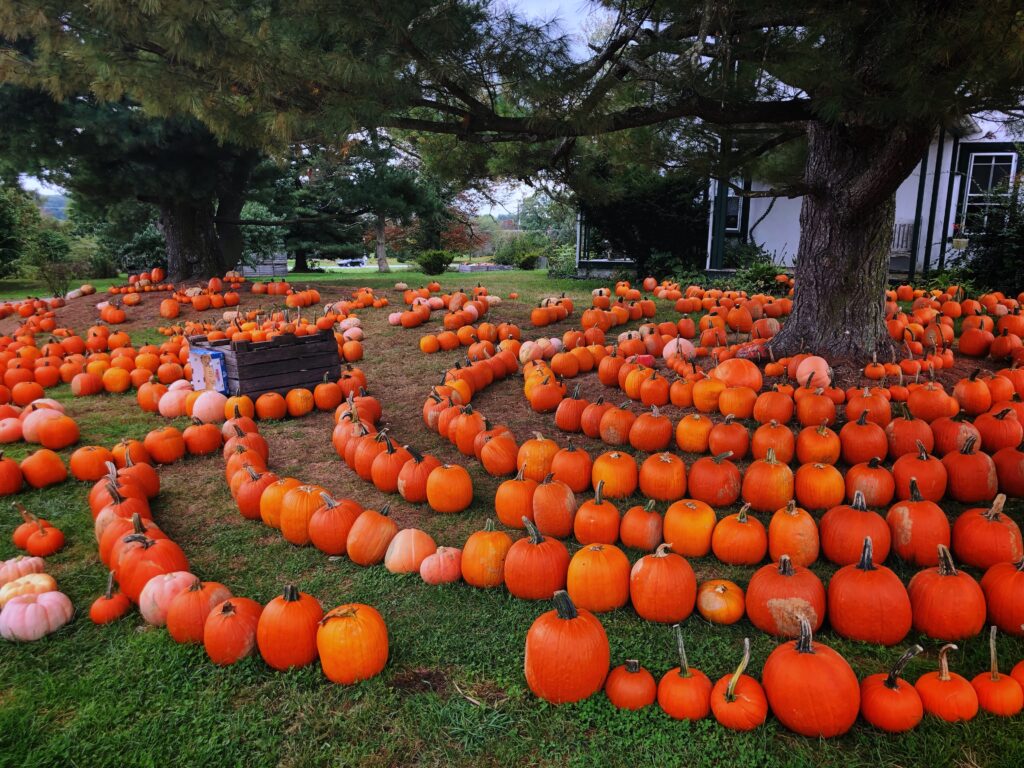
143	249
522	250
562	261
994	258
51	261
435	261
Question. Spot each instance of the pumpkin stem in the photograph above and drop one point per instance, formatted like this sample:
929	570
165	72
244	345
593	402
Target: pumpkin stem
892	679
291	593
564	606
329	502
769	457
723	456
548	478
946	565
649	506
385	510
416	455
915	491
863	418
993	656
785	566
995	511
684	667
536	537
663	550
858	502
489	525
112	490
741	516
109	593
969	444
730	690
944	661
632	666
27	516
874	462
805	643
867	555
791	507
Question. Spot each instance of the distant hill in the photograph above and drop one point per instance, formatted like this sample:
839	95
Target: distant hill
54	206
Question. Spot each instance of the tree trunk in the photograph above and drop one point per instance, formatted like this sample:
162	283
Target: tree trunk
846	220
382	251
301	260
231	184
193	250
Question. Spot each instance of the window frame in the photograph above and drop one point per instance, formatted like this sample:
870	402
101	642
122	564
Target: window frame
979	198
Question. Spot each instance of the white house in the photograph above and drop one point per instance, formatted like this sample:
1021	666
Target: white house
953	185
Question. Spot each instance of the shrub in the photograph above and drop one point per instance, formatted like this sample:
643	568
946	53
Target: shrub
562	262
144	249
992	259
50	260
522	250
434	261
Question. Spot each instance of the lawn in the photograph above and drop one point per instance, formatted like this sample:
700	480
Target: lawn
453	692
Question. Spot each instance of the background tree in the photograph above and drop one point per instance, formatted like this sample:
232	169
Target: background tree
865	84
110	153
19	223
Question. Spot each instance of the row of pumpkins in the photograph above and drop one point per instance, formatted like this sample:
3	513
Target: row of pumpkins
524	567
460	309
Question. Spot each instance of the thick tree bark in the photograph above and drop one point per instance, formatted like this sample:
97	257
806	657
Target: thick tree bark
846	220
193	249
301	261
382	250
231	183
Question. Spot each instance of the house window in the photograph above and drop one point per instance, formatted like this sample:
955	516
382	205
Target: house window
733	206
990	178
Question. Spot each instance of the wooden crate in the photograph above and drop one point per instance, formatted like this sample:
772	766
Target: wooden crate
283	363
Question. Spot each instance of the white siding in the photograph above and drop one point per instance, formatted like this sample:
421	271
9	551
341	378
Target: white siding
779	232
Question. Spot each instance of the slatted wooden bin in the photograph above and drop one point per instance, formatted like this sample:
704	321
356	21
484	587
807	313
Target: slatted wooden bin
283	363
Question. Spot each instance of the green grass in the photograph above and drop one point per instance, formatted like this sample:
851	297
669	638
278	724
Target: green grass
453	691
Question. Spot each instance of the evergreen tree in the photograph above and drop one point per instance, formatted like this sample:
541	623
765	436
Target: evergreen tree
110	153
866	85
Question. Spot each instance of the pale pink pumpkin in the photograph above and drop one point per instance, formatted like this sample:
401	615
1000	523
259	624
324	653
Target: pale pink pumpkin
158	593
209	407
27	618
408	549
180	384
20	566
172	403
30	424
47	402
10	430
442	567
814	372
